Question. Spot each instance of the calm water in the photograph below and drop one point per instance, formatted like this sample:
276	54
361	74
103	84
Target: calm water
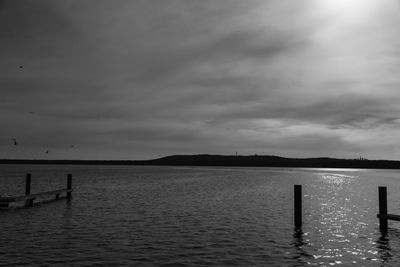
182	216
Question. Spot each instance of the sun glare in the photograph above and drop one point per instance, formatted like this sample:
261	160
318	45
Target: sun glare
344	17
348	10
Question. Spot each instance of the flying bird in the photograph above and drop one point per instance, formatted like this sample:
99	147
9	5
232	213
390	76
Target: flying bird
47	152
15	141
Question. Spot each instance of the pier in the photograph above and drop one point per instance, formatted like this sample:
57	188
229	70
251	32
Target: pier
28	199
383	211
382	215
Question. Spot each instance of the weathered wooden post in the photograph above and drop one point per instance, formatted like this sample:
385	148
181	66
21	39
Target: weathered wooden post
28	184
383	221
28	202
297	206
69	186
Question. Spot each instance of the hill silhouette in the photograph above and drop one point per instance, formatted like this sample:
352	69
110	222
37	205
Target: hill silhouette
271	161
232	161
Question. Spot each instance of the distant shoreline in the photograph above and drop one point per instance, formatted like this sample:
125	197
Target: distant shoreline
226	161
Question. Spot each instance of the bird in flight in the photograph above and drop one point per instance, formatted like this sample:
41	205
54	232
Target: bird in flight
47	152
15	141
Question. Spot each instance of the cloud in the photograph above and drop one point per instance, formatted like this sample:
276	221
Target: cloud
132	79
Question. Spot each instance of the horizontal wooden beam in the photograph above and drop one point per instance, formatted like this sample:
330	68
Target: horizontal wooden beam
393	217
33	196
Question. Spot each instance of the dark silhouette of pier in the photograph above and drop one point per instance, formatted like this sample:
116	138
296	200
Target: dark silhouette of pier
28	198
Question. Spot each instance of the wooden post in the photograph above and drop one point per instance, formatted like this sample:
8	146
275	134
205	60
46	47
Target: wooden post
297	206
29	202
69	185
383	222
28	184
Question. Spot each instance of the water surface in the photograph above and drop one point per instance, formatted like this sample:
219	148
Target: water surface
199	216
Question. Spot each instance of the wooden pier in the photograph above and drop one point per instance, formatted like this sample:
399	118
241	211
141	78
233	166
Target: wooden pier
29	198
382	215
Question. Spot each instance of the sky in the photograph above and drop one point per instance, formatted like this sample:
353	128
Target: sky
140	79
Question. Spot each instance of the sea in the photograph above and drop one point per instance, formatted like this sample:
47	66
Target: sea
199	216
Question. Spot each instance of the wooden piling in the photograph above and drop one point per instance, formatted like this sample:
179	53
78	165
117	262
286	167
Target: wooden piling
28	184
297	206
69	186
28	202
28	198
383	221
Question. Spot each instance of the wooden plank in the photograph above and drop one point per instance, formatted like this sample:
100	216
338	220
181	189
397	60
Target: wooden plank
48	193
393	217
33	196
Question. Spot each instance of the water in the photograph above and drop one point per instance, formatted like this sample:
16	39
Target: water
200	216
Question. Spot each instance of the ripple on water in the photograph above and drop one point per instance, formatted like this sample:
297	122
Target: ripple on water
146	216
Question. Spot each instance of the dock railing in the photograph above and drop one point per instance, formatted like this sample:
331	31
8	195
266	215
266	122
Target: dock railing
29	198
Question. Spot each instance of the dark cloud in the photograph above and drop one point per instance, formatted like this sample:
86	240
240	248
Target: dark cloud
33	28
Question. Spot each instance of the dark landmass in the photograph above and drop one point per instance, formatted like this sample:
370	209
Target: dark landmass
232	161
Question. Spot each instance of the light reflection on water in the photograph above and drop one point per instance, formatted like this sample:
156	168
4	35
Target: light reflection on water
146	216
344	226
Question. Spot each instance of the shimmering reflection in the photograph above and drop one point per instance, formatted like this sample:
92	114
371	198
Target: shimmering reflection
341	222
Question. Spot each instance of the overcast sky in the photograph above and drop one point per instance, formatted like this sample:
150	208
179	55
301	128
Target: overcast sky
137	79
